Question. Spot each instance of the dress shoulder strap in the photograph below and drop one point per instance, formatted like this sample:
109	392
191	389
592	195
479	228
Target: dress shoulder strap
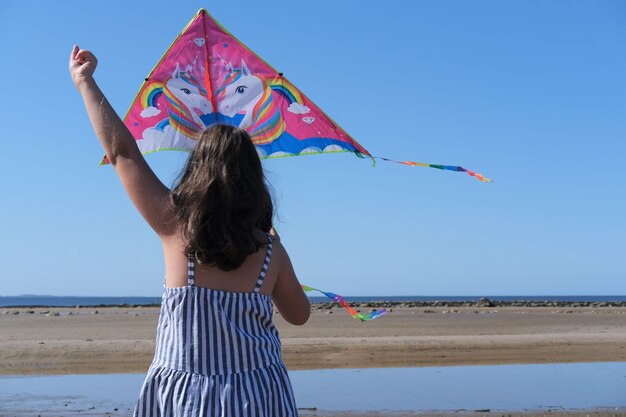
191	270
266	264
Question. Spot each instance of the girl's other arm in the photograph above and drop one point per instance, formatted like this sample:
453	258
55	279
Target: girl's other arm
288	295
146	191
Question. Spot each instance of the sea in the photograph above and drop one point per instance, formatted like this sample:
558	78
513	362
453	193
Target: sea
90	301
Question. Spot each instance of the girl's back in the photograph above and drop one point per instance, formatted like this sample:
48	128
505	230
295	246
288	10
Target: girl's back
217	351
242	279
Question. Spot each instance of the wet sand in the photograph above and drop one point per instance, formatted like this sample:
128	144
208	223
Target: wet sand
39	341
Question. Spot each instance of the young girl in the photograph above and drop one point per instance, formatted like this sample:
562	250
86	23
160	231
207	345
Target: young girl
217	350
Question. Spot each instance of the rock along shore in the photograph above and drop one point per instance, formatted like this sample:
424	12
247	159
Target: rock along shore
482	302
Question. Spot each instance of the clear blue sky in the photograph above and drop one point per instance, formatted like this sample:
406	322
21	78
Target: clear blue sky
529	93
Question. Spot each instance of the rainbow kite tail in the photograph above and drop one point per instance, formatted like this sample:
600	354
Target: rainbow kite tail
339	299
437	166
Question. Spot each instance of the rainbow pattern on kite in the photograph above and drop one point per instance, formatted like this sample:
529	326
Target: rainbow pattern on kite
339	299
208	76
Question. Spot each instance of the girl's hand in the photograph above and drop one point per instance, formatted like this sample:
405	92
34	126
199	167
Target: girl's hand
82	65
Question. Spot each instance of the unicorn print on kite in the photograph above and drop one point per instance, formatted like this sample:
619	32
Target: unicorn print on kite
258	105
188	110
244	93
187	101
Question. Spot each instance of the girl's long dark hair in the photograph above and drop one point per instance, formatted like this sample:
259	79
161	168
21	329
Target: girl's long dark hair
221	198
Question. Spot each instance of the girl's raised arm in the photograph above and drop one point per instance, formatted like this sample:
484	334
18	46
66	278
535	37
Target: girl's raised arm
147	192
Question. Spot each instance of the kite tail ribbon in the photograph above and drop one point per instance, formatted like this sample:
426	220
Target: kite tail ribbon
339	299
442	167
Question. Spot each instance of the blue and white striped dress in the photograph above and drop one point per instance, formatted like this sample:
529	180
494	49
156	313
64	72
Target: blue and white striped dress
217	354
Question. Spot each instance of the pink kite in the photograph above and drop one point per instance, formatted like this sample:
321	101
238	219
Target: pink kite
208	76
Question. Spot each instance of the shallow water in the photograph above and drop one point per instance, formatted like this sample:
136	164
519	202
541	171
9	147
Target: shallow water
501	387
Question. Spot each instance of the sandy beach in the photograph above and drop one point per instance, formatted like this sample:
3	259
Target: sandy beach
99	340
39	341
